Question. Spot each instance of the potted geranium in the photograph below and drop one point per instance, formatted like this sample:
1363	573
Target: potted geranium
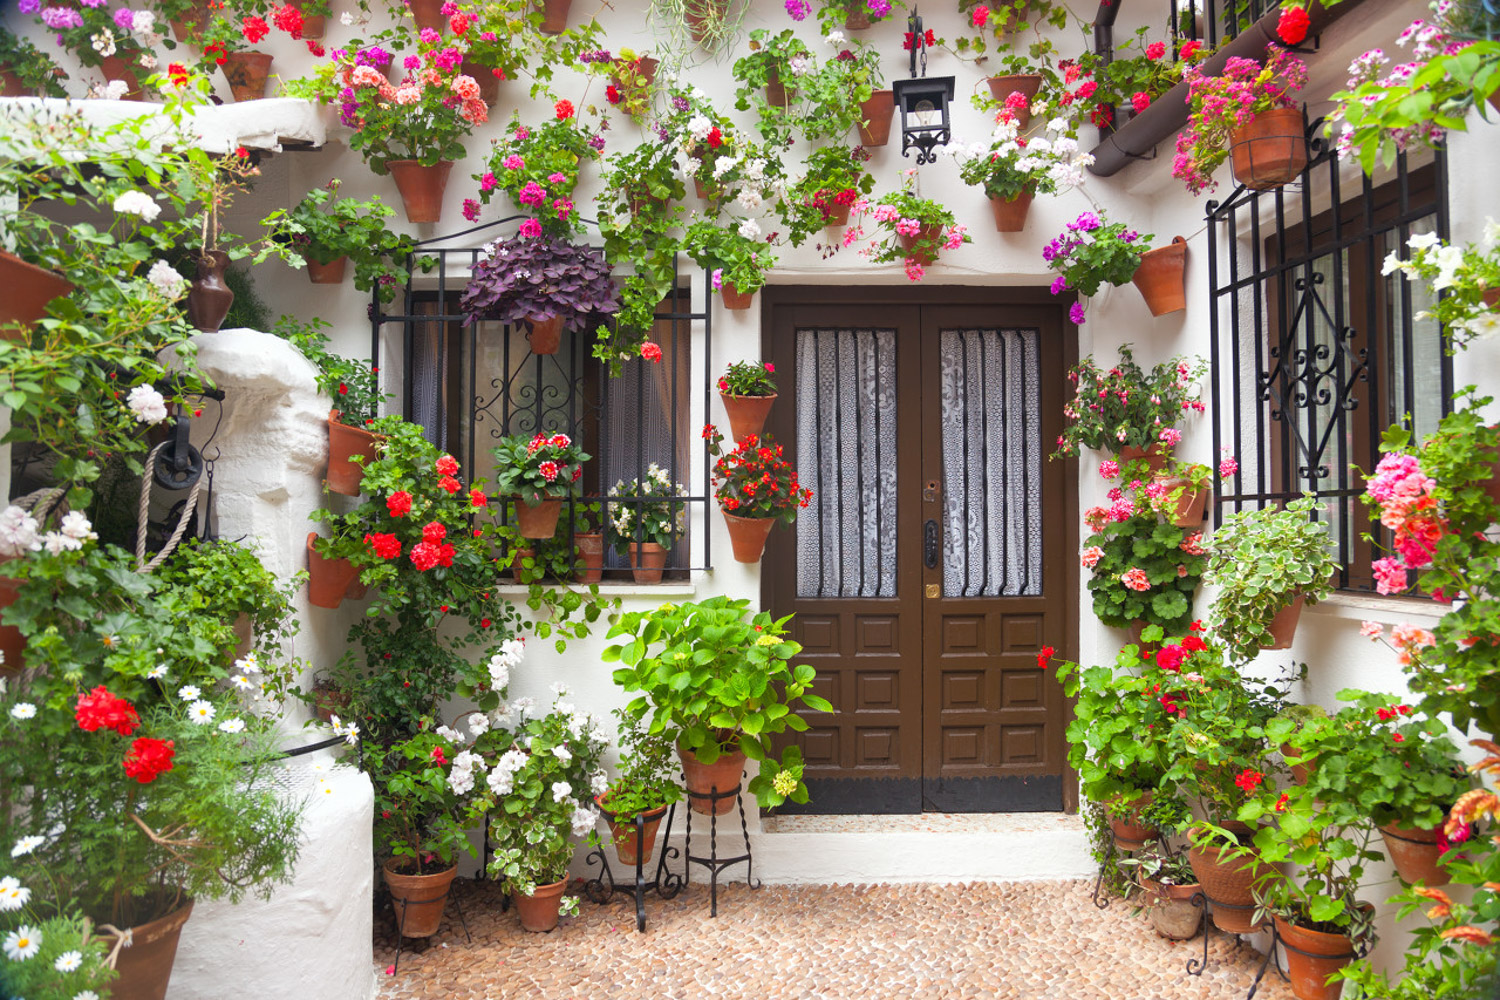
1091	252
1124	410
540	472
546	281
537	166
1248	111
646	519
718	681
735	254
755	487
834	178
1268	564
747	390
1013	169
912	229
644	788
543	801
329	231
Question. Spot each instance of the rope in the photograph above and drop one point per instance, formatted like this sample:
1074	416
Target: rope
141	565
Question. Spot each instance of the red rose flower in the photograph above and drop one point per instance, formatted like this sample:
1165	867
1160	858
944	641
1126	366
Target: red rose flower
147	759
1293	25
447	465
399	503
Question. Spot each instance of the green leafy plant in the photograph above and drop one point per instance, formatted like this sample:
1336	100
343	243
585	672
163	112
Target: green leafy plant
716	679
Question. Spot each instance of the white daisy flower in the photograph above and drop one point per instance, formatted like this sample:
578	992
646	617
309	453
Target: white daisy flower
22	943
23	710
201	712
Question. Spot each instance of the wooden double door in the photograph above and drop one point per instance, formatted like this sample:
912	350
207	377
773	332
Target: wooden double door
935	561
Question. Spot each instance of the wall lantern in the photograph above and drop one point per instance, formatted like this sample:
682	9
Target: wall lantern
923	101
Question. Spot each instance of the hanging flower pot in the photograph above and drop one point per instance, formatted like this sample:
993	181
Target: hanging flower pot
489	83
875	117
747	414
314	26
590	546
428	14
1155	457
647	560
1002	87
114	68
1160	277
518	569
1311	957
722	775
554	15
145	968
328	579
422	187
1228	883
545	335
25	290
1416	854
1270	150
1010	213
747	536
539	521
209	298
12	642
418	899
1172	912
1284	626
622	832
247	73
1187	510
538	911
344	442
736	299
331	273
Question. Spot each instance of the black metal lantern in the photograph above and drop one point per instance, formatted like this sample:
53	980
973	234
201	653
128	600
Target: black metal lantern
921	98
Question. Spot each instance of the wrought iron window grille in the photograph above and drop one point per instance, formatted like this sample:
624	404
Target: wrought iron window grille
1313	351
471	406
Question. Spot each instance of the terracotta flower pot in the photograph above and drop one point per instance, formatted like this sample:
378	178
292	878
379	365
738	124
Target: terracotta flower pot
1002	87
538	521
209	298
422	187
1155	457
428	14
1227	882
875	118
1171	911
554	15
1187	512
12	642
1010	213
313	26
327	579
12	85
590	546
25	290
344	442
545	335
1416	854
538	911
247	73
115	68
647	560
736	299
418	899
1160	277
747	414
928	233
723	774
518	571
622	832
1284	625
331	273
489	83
145	968
1130	832
1269	151
1311	957
747	536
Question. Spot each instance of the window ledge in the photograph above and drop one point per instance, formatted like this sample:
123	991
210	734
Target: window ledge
1386	610
623	588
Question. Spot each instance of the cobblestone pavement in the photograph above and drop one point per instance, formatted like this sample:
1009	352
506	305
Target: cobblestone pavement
1015	941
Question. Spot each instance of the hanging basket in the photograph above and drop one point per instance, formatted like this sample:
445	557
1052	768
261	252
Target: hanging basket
747	536
1010	213
1160	276
1002	87
747	414
25	291
344	442
422	187
1271	150
875	116
247	73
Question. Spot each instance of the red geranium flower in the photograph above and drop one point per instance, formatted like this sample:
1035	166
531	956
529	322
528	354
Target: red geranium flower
147	759
399	503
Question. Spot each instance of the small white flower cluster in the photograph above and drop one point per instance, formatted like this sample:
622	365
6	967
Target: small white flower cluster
502	778
71	534
18	533
506	659
147	404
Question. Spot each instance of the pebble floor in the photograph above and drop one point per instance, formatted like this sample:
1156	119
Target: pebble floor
868	942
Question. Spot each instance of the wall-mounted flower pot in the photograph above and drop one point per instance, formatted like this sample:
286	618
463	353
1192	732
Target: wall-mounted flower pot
647	560
545	334
1160	277
590	547
1311	957
1416	854
313	26
418	899
747	536
1228	883
722	775
422	187
1010	213
247	73
538	911
629	848
875	118
428	14
12	642
1284	625
1269	151
747	414
25	290
209	297
489	83
114	68
344	442
331	273
736	299
1155	457
145	968
554	15
1172	913
328	579
1002	87
539	521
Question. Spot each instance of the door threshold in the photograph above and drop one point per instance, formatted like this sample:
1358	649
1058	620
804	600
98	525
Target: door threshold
1013	822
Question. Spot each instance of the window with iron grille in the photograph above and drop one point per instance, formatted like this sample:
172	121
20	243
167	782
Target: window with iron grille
470	385
1314	350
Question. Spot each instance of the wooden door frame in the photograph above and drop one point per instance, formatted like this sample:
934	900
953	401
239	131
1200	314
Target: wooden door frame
774	297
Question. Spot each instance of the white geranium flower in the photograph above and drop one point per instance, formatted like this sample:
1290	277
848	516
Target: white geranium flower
168	283
561	790
137	202
23	710
189	692
26	845
232	726
201	712
22	943
68	961
147	404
